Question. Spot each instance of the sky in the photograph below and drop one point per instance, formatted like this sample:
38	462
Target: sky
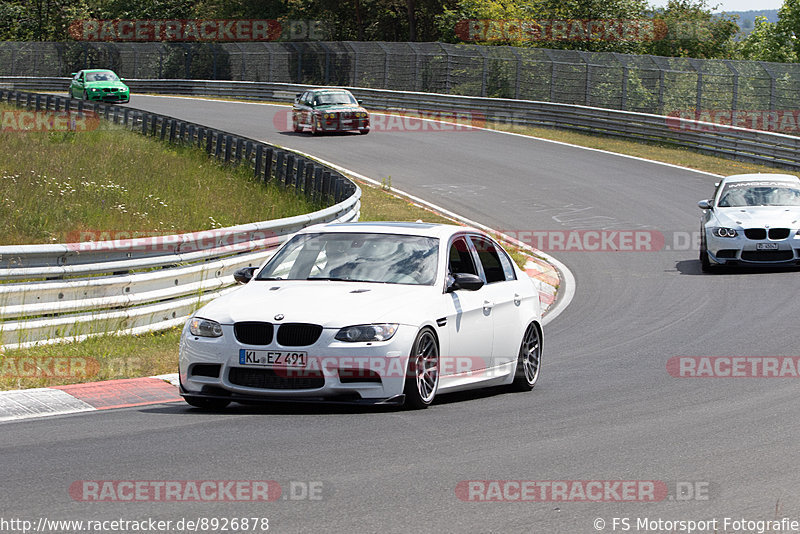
733	5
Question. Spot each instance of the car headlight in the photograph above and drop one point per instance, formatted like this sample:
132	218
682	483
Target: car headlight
724	232
205	327
330	115
367	332
94	89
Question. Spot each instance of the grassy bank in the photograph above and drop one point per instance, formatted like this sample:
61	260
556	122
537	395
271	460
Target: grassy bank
56	187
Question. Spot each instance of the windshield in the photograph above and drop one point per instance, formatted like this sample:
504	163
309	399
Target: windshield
101	77
324	99
736	194
356	257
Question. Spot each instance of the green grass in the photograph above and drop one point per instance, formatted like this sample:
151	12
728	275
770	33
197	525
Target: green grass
55	187
130	356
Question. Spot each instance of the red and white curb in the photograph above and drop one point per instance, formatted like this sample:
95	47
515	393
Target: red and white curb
61	400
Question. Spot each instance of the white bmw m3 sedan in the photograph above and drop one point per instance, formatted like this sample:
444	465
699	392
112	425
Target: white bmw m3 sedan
367	313
753	219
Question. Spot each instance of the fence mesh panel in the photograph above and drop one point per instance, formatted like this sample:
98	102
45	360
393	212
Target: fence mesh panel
610	80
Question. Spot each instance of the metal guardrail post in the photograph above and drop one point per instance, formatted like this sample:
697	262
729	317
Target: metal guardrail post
239	150
268	165
298	177
317	187
308	187
280	167
228	143
288	173
259	162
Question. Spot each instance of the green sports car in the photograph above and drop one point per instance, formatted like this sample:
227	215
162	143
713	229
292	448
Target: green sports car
99	84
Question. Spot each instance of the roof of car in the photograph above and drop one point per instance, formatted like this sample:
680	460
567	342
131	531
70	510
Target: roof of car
393	227
755	177
97	70
329	90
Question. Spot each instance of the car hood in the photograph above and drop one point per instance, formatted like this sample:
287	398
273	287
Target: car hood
327	303
759	216
106	85
336	108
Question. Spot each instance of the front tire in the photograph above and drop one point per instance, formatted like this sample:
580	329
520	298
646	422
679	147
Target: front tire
705	263
529	360
422	380
314	128
85	95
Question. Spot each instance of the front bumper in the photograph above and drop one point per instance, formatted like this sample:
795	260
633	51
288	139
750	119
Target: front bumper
342	125
741	250
102	96
336	371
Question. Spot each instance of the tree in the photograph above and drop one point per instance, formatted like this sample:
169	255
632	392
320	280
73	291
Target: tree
693	31
768	42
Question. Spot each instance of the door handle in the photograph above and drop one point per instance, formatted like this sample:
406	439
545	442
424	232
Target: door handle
517	299
487	306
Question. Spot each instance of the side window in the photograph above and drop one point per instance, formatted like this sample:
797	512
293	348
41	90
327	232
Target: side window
508	267
460	257
490	259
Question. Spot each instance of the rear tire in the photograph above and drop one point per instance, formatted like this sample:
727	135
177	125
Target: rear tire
529	360
422	380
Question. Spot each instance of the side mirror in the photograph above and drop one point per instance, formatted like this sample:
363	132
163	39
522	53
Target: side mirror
244	275
73	74
467	281
704	205
360	102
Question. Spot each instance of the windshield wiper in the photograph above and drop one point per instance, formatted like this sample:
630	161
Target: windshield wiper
331	278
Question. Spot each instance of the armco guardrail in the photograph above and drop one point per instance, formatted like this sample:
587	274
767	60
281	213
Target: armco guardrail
742	144
68	291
